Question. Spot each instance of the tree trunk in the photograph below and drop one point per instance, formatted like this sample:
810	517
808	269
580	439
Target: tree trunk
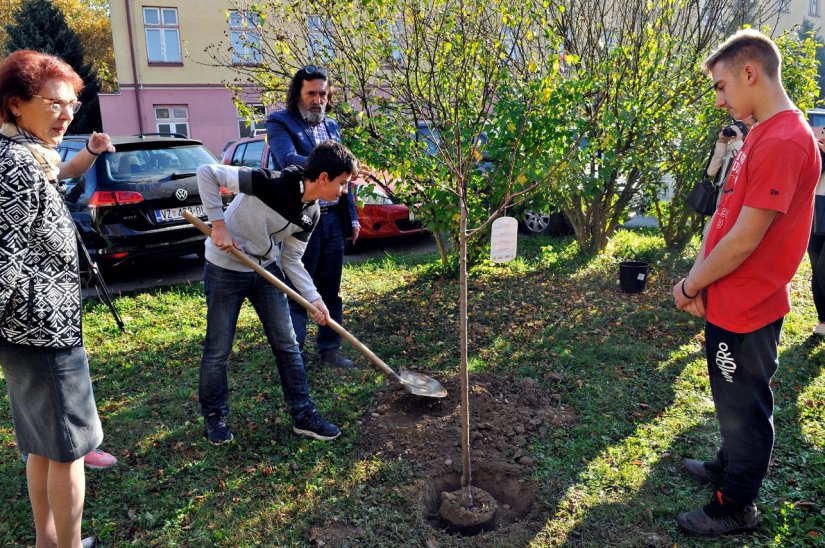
462	326
441	242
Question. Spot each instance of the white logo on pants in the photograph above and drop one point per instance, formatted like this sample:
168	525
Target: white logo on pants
725	362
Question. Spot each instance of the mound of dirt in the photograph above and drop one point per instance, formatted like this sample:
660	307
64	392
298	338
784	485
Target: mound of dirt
468	511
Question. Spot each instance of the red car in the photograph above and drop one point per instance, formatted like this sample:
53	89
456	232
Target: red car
380	213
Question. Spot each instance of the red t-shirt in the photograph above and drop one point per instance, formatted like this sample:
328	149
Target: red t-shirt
777	169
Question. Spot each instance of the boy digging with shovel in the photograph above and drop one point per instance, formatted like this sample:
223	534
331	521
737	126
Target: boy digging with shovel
270	220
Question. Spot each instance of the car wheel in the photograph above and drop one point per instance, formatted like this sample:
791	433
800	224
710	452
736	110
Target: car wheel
535	222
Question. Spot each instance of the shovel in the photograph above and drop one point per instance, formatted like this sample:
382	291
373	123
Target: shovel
415	383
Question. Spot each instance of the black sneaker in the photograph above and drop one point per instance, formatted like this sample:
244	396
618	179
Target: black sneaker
703	472
216	429
335	359
315	426
715	519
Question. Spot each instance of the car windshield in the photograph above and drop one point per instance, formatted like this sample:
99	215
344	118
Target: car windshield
372	194
153	164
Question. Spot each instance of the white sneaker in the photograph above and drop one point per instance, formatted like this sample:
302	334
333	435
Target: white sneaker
820	330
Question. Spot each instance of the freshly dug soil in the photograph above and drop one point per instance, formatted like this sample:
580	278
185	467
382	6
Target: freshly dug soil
468	514
505	415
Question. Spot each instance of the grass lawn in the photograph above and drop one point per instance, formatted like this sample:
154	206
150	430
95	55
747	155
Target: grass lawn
631	366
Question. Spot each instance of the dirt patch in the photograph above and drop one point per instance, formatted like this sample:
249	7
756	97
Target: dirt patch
506	413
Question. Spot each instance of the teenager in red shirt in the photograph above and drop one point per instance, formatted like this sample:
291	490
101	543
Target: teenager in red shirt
739	281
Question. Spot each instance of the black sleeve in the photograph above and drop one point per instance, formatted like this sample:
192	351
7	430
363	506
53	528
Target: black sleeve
280	191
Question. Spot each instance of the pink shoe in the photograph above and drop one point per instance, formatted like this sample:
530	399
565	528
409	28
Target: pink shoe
98	459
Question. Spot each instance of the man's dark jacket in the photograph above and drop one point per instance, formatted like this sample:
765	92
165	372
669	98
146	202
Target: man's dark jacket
290	142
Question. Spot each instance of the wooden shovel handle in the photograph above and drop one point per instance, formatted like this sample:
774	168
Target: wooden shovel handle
268	276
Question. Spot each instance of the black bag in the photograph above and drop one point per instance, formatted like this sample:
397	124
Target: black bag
819	215
705	193
704	196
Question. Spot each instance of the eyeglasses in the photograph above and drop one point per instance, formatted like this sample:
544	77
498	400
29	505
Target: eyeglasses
57	106
312	69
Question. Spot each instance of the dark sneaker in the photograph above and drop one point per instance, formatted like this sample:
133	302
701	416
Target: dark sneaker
715	519
703	472
315	426
216	429
335	359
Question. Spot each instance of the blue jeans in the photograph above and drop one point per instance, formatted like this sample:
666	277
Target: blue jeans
225	293
324	260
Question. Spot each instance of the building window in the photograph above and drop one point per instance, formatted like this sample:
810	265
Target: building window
162	35
245	37
394	33
813	8
320	43
172	119
248	126
785	6
510	45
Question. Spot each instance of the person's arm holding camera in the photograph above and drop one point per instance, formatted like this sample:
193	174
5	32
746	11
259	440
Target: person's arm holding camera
720	150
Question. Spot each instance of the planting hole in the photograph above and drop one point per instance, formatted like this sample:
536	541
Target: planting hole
499	499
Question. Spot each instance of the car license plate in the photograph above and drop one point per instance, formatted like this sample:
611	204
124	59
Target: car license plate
176	213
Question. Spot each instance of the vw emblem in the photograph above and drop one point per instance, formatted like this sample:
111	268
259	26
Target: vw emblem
181	194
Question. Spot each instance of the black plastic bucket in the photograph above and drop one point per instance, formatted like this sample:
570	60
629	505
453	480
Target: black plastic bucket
633	276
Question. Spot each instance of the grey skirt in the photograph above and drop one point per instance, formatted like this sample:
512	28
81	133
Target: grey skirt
52	402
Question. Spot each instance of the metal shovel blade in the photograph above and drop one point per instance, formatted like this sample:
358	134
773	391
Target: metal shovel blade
422	385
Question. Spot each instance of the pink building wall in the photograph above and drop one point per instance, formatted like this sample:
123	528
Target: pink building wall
212	115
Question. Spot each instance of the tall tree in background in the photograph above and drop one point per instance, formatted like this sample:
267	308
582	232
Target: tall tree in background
90	20
39	25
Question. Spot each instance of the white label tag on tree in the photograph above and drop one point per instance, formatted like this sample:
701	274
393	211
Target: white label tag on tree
503	240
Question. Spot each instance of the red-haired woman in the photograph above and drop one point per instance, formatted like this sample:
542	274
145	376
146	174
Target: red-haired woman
41	347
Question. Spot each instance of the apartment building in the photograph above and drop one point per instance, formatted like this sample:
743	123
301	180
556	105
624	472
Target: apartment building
793	12
167	83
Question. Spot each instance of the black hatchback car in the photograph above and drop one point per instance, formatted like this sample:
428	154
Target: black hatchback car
129	205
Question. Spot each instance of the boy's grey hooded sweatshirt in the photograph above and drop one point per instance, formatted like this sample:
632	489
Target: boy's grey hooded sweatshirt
267	219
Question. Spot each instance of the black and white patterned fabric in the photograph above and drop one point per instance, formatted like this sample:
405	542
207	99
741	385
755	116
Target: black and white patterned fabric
40	303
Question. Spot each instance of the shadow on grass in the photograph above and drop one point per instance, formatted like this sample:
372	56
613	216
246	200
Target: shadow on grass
646	515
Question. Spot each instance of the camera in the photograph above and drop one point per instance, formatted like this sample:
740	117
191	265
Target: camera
728	132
